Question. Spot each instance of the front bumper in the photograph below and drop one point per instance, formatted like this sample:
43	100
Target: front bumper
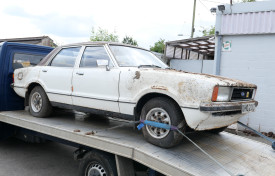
217	114
225	106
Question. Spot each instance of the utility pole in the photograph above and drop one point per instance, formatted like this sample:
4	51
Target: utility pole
193	20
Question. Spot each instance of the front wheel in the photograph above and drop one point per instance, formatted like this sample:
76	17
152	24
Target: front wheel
39	103
162	110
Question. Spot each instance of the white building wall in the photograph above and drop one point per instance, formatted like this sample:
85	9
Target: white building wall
252	59
196	66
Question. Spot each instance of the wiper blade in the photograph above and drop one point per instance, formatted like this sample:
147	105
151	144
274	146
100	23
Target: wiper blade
149	66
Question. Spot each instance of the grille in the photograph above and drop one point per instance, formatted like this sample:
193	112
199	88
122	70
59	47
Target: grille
226	113
242	94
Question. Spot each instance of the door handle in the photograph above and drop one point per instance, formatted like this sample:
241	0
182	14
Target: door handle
44	70
80	73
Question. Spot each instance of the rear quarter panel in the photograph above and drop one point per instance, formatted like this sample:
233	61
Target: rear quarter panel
29	75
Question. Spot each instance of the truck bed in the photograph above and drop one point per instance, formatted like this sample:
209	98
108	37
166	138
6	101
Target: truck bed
239	155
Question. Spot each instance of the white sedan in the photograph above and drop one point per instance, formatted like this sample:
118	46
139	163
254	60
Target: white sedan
132	83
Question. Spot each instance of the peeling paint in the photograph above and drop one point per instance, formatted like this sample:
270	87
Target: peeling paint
160	87
137	75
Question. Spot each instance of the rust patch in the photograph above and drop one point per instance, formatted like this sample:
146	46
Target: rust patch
137	76
228	81
159	87
180	85
76	131
90	133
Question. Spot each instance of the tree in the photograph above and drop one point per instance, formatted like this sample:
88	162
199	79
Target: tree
208	31
158	46
129	40
103	35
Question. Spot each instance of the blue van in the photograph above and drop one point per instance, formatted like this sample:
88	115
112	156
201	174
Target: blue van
13	56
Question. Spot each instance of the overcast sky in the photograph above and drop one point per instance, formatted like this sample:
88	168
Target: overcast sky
72	21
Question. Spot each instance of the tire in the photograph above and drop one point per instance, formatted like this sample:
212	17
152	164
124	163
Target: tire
217	130
39	103
97	163
170	113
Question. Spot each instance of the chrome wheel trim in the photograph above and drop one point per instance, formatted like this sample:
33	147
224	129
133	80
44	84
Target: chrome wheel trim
96	169
36	102
161	116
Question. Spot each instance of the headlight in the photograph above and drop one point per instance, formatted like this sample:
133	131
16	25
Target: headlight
221	93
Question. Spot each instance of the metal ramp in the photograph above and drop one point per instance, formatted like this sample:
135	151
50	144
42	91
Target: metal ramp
239	155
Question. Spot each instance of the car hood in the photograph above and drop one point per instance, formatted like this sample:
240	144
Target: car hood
218	80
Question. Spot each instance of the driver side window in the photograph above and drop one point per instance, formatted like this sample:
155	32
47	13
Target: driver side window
92	55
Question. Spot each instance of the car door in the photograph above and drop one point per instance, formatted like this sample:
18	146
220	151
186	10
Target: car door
95	86
56	78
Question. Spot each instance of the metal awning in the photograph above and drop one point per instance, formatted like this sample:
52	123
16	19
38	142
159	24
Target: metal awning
201	45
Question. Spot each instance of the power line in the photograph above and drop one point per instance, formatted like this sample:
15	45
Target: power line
204	5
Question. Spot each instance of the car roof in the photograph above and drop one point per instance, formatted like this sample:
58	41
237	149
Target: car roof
101	43
57	49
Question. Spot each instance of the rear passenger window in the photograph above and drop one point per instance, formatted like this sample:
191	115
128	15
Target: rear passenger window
92	55
21	60
66	57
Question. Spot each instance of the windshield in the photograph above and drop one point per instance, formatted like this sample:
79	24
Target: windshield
134	57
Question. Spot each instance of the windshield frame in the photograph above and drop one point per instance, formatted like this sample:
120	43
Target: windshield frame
131	46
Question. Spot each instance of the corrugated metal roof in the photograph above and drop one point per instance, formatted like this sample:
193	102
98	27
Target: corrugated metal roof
200	45
248	23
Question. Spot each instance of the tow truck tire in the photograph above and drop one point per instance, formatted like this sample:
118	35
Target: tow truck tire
97	163
39	103
163	110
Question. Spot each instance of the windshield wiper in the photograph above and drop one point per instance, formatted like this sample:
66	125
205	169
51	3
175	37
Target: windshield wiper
149	66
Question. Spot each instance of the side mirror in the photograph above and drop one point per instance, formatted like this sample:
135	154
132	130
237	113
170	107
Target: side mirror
103	63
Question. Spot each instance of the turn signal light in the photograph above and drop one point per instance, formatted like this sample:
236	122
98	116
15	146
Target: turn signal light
215	93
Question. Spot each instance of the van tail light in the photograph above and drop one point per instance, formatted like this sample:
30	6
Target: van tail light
13	78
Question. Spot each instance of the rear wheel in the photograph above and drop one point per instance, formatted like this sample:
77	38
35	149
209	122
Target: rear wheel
162	110
39	103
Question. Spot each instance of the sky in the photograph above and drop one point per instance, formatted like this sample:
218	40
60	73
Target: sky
72	21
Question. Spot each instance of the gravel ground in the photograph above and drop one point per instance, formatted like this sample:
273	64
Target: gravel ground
241	133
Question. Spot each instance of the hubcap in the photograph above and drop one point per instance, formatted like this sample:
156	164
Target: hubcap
161	116
96	170
36	102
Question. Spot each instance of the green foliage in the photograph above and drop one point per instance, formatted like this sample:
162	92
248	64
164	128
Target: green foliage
129	40
103	35
208	31
158	46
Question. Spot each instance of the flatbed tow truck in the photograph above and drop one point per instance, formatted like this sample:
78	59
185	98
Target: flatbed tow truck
240	156
116	144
